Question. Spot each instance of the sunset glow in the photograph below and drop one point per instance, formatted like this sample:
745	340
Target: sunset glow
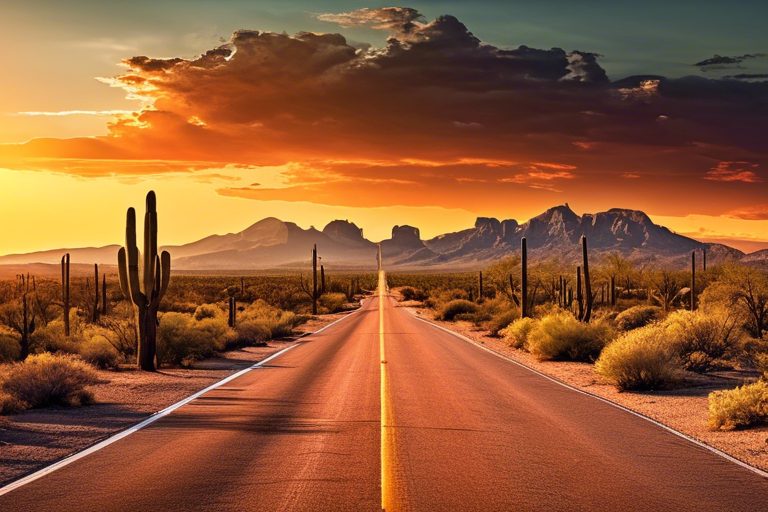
371	111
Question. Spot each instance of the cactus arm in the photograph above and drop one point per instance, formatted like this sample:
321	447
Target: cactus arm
122	268
150	244
134	283
165	272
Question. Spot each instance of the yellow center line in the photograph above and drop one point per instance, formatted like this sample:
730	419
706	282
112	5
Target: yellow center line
387	436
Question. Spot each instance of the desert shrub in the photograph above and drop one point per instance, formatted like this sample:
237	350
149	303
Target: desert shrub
46	379
250	332
50	338
411	293
637	316
98	351
740	407
216	330
10	350
279	323
204	311
761	363
452	309
639	359
501	320
332	302
700	338
561	336
437	298
181	339
517	332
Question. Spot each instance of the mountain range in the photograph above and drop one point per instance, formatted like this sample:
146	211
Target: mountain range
272	243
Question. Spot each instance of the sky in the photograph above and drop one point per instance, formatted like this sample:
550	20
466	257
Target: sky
429	114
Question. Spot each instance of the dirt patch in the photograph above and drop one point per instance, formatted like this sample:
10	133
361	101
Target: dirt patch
36	438
683	408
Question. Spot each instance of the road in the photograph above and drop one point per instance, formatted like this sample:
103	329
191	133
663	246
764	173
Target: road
385	410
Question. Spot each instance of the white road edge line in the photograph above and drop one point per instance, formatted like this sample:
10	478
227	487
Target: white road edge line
156	416
695	441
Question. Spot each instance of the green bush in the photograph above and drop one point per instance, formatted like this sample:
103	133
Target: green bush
98	351
452	309
640	359
501	321
252	332
701	339
441	296
560	336
411	293
637	316
50	338
181	339
204	311
517	332
743	406
332	302
761	363
10	350
46	379
280	323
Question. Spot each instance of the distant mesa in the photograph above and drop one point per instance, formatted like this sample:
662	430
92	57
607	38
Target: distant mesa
273	243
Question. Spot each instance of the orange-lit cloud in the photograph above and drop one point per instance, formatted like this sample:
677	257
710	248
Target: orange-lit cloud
745	172
754	212
433	118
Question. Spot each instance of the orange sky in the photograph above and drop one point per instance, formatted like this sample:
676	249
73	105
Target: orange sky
431	129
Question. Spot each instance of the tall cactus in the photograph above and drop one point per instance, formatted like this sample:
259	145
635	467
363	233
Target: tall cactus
96	311
104	294
524	313
480	285
322	279
232	322
579	295
147	290
65	291
693	280
587	283
314	279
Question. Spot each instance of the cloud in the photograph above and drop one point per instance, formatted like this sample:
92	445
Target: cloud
719	61
745	172
434	116
401	19
755	212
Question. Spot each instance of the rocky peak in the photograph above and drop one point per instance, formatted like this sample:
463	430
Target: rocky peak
406	235
344	231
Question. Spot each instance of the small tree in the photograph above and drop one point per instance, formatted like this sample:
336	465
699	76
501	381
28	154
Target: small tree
744	288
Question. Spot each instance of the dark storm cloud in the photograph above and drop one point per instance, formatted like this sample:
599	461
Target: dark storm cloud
724	61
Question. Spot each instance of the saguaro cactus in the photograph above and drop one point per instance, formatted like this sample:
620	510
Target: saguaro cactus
65	291
480	284
147	290
314	279
104	294
613	291
587	283
693	280
524	278
704	259
322	279
232	311
579	295
96	310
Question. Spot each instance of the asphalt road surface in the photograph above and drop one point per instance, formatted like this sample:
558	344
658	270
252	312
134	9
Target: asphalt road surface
385	410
